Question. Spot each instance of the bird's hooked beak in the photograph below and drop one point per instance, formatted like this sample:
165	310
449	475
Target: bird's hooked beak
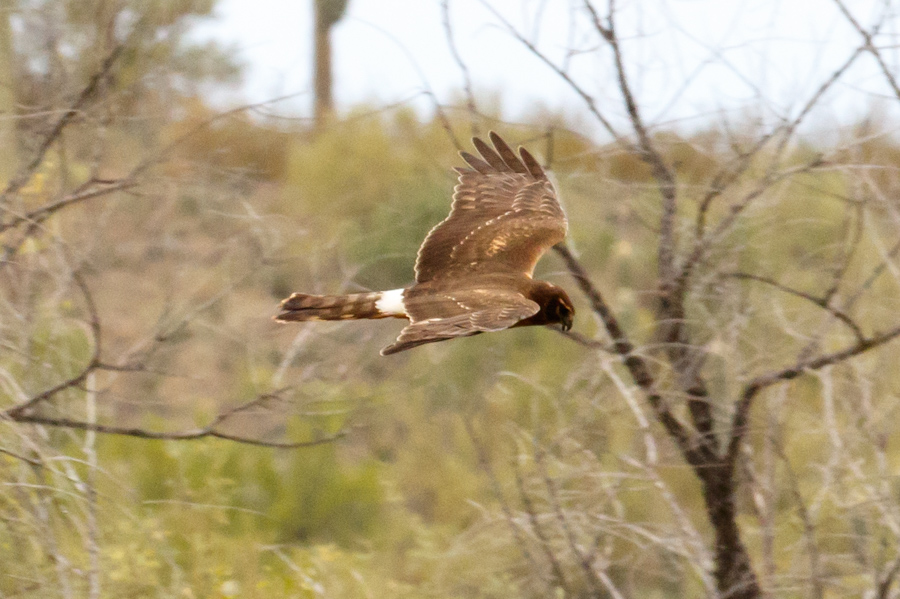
566	321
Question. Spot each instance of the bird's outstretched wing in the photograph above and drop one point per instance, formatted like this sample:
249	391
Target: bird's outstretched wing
505	215
464	314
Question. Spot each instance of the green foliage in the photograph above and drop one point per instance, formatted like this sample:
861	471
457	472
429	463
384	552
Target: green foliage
385	179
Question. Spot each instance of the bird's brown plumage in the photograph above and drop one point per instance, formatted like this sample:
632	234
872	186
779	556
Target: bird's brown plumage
504	216
474	269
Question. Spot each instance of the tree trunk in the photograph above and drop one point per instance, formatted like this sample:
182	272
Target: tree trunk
327	13
734	575
9	155
323	98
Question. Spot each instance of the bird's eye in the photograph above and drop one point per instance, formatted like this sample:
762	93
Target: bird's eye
564	314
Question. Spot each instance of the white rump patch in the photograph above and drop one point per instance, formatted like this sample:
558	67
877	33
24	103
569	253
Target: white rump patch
391	302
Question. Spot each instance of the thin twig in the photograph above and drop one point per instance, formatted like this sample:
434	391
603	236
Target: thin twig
536	528
822	302
742	409
29	461
588	99
887	581
188	435
635	364
725	178
80	195
439	109
18	411
467	78
871	47
25	411
485	464
584	559
584	340
80	101
809	527
663	175
703	244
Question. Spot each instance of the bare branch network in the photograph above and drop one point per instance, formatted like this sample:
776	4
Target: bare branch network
756	171
28	225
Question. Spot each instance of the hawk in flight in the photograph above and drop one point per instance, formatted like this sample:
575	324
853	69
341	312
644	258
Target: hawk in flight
474	269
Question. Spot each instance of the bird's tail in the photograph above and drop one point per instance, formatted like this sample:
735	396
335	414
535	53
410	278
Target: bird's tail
303	307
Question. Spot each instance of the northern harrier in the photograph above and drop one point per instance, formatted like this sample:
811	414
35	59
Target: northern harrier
473	271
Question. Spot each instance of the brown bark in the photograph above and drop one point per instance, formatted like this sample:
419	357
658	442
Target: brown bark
324	100
327	14
734	575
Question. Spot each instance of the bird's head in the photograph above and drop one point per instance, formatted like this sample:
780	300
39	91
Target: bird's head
563	310
556	307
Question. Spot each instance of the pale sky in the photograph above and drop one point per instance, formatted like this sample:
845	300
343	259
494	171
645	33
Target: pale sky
689	59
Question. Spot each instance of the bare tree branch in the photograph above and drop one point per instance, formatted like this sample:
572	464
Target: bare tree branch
537	528
742	409
589	101
87	191
584	340
29	461
636	365
485	464
727	176
25	412
18	411
76	107
870	46
822	302
887	581
188	435
809	529
583	558
454	51
704	243
665	179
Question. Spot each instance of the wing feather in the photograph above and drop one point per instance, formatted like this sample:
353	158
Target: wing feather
478	164
508	156
505	215
477	319
492	157
533	166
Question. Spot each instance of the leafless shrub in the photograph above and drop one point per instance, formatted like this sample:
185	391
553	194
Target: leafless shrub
739	336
